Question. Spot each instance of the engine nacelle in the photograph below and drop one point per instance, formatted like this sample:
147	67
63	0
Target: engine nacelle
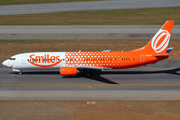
68	71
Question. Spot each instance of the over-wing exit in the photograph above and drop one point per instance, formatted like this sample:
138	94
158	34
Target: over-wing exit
72	63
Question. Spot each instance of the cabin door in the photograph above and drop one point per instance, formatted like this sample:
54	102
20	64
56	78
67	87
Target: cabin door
142	58
23	59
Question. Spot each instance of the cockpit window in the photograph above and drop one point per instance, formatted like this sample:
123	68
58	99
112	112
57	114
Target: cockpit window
12	58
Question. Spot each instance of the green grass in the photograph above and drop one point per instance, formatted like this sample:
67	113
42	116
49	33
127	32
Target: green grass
12	47
13	2
153	16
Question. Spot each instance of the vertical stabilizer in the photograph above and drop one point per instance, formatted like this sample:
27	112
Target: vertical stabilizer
160	41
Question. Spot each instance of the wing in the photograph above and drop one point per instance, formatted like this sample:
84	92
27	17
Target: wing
88	67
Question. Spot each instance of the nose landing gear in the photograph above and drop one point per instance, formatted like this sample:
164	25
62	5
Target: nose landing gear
16	70
20	72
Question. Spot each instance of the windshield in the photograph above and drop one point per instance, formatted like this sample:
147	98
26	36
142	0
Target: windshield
12	58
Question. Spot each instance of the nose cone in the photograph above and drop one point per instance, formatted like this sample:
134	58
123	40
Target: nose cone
5	63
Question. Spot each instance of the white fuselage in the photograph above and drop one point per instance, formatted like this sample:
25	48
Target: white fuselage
36	60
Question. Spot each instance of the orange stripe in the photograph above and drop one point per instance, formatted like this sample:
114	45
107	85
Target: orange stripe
11	66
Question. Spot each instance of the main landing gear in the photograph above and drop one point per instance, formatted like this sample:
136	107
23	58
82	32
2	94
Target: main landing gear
90	73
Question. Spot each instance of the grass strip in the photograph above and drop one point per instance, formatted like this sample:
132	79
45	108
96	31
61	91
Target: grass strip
81	110
9	48
150	16
14	2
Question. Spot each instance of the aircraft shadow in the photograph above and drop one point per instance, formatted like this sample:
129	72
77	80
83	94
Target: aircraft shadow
170	71
96	77
101	79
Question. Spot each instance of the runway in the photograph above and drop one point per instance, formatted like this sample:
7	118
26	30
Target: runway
85	6
84	32
153	82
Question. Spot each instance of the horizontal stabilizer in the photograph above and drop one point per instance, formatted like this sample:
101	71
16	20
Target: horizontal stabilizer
166	54
161	55
169	50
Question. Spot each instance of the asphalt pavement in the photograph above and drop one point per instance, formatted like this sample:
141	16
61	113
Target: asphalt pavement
85	6
84	32
153	82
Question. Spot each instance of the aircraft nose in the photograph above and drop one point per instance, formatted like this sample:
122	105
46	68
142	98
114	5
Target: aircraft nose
5	63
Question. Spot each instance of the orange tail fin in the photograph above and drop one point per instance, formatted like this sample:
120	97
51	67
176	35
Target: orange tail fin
159	43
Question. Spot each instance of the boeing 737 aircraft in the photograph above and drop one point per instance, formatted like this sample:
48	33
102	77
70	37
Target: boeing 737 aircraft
71	63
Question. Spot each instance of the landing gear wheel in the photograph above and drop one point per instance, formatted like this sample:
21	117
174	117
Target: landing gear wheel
88	74
20	72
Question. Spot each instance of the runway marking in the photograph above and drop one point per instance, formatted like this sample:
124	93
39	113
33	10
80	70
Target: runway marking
97	84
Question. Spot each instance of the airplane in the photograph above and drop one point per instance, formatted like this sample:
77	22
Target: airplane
72	63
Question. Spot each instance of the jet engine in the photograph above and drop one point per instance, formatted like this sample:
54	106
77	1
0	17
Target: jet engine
68	71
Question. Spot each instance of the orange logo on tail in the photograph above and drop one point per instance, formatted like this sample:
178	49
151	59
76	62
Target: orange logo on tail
54	60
